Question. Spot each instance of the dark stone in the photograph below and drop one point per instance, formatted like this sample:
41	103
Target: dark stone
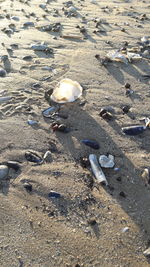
122	194
28	187
2	72
127	85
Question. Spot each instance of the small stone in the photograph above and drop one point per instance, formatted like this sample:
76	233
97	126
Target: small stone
3	171
2	72
28	187
122	194
127	85
125	108
27	58
84	162
92	222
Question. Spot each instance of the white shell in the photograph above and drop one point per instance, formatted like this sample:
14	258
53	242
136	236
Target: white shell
106	162
66	91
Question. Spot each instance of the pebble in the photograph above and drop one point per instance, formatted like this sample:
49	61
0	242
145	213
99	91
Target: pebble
2	72
28	187
15	18
3	171
54	194
27	58
28	24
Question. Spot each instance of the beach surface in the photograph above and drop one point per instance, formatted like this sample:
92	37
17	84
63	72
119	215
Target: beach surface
88	224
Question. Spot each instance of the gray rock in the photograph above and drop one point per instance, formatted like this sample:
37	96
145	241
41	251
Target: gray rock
2	72
3	171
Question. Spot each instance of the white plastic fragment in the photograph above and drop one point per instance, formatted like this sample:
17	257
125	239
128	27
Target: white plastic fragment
96	169
106	162
117	56
66	91
133	56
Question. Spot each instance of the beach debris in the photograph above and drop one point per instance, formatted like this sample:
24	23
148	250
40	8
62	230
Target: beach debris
41	47
5	99
96	169
27	58
146	175
144	40
32	122
134	130
13	164
125	109
91	143
3	72
47	113
147	252
122	194
117	56
60	127
66	91
55	27
33	157
127	85
47	156
15	18
3	171
28	24
84	162
133	56
105	114
125	229
54	194
106	162
28	187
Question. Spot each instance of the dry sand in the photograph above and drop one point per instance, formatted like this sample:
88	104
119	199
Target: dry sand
41	232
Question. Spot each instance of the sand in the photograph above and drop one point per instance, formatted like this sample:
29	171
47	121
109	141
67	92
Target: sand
85	227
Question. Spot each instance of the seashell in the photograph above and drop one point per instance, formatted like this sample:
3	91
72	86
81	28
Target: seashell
33	157
106	162
134	130
49	111
66	91
14	165
96	169
90	143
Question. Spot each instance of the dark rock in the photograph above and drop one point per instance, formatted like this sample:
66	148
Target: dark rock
127	85
2	72
122	194
28	187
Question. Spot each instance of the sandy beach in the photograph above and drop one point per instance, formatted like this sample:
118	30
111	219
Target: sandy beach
86	224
